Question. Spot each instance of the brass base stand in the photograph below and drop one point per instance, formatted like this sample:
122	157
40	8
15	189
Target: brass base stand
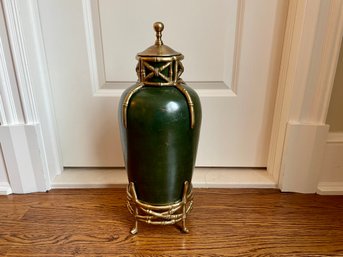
159	214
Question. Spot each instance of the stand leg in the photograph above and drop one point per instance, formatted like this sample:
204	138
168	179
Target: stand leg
184	200
134	230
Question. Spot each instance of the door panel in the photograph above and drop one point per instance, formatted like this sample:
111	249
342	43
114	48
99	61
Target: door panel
232	52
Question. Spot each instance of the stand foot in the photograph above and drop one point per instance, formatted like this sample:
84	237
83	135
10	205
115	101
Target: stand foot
134	230
184	230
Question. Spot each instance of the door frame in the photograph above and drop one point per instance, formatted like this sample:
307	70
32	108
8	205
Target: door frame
310	53
311	49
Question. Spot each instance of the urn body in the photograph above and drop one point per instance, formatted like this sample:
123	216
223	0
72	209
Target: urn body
158	141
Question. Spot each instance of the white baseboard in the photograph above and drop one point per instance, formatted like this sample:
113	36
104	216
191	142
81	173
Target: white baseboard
331	179
5	188
202	178
330	188
335	137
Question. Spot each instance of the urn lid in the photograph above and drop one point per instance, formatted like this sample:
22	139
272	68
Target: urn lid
159	65
158	49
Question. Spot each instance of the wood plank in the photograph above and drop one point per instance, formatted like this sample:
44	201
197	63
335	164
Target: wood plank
224	222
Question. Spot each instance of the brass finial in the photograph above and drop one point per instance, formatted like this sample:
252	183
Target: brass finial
158	26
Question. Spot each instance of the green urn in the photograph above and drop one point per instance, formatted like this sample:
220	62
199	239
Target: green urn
159	118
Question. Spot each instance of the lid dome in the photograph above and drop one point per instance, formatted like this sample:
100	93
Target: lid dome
159	49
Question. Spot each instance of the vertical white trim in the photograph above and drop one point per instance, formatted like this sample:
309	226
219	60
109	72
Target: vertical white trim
6	96
9	116
43	91
311	48
11	108
5	187
281	113
19	52
38	148
278	127
3	119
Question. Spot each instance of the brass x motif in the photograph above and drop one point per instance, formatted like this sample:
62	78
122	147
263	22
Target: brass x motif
158	71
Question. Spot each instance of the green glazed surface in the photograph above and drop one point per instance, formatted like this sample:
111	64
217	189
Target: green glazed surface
159	144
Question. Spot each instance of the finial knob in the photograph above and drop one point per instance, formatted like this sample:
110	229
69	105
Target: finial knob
158	26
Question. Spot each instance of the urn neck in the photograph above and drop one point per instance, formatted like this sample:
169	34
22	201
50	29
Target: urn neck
159	71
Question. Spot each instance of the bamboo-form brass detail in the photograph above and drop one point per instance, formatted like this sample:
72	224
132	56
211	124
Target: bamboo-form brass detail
175	70
127	101
160	214
189	101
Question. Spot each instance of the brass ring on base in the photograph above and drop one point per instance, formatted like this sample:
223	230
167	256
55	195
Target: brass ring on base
160	214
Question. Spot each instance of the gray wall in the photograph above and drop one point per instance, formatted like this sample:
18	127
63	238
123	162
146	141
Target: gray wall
335	114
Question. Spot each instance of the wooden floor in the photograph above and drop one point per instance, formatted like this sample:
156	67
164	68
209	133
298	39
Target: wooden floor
224	222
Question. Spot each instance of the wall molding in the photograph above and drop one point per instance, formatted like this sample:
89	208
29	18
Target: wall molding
11	109
311	49
20	56
331	179
280	118
335	137
3	119
330	188
8	107
102	87
37	128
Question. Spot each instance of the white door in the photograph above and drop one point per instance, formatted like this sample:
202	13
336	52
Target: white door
232	52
